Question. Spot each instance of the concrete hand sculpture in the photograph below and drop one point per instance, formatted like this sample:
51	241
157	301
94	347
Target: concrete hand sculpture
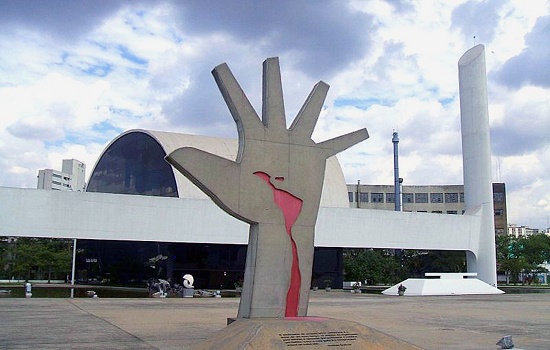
274	185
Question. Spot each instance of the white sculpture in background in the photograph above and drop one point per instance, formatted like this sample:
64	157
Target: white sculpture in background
188	281
188	288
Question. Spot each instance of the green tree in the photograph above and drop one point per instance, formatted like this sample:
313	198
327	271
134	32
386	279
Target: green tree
420	262
38	258
384	266
22	258
523	255
4	258
509	257
536	250
54	258
377	266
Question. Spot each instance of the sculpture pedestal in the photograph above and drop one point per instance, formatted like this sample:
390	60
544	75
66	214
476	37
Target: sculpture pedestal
300	333
188	292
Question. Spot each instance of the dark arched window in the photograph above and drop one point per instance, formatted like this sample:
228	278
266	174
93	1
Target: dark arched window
134	164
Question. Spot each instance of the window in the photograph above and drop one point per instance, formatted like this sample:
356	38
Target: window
498	197
363	197
408	197
499	212
452	212
377	197
390	197
421	198
436	197
451	197
437	211
350	197
461	194
134	164
56	175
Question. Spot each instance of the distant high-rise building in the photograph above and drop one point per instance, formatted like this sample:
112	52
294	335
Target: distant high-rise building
72	177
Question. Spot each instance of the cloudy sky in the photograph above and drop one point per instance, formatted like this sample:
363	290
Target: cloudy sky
75	74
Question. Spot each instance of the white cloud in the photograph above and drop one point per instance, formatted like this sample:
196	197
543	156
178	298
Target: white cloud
66	95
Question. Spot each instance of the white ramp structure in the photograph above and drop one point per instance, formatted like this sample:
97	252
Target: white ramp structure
444	284
191	219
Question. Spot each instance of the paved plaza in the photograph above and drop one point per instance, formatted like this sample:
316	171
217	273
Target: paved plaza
435	323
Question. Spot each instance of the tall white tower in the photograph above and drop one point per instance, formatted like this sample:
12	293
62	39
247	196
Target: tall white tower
476	154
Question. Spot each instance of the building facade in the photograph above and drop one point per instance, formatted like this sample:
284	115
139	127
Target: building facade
524	231
443	199
72	177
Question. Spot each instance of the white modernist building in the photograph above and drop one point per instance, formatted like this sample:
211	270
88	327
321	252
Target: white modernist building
173	210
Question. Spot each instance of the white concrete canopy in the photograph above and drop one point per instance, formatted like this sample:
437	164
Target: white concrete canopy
61	214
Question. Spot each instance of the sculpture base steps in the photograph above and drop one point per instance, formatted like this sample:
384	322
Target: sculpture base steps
444	284
300	333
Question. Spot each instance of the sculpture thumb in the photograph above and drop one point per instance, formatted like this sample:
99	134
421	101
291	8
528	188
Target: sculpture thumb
216	176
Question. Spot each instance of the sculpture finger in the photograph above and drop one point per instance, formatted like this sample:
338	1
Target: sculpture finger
305	121
216	176
273	106
242	111
340	143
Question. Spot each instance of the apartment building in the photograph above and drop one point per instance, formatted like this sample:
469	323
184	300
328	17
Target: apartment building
72	177
524	231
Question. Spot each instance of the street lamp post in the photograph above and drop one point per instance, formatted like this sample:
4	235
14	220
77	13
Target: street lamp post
73	268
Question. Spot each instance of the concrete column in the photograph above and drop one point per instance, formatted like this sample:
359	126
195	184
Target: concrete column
476	153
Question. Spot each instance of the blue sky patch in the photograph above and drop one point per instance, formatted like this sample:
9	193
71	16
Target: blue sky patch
101	69
361	103
106	128
130	56
70	138
446	101
54	144
137	72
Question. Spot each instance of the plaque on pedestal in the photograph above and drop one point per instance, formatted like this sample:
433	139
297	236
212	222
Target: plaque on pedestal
300	333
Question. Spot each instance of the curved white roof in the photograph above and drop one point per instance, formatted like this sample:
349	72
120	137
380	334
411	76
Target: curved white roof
334	186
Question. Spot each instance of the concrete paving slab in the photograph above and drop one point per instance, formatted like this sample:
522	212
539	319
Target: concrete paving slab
433	323
55	323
